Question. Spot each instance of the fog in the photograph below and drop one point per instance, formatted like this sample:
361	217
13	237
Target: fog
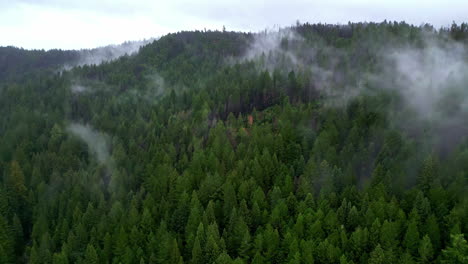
78	88
430	75
97	142
105	54
426	76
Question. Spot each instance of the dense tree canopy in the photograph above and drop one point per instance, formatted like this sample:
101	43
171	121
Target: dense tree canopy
192	151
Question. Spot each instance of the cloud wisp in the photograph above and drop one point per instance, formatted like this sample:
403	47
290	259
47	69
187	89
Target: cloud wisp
429	76
106	54
97	142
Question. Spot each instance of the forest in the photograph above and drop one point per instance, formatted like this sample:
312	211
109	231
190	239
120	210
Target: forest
315	143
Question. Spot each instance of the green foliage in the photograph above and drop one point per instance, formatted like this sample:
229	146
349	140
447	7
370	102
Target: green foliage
223	162
457	252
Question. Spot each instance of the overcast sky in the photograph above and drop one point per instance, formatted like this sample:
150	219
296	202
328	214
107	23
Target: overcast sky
75	24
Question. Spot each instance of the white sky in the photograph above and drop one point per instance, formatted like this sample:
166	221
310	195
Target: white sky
75	24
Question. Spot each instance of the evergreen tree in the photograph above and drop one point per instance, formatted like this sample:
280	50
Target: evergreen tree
411	240
91	256
425	250
377	256
457	252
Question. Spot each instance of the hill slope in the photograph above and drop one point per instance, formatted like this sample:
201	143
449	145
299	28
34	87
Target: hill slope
311	144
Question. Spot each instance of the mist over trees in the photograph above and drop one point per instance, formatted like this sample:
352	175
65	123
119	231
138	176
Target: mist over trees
16	63
316	143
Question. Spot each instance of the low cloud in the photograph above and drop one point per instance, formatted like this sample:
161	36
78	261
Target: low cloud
432	80
97	142
426	76
105	54
285	50
277	49
429	75
78	88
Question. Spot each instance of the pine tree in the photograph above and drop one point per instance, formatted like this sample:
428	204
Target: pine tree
120	244
457	252
258	259
17	230
212	249
388	235
377	256
34	257
406	258
271	237
106	253
428	174
229	199
425	250
6	242
197	253
374	233
433	230
60	258
174	254
411	240
91	256
17	191
224	258
245	247
296	259
307	254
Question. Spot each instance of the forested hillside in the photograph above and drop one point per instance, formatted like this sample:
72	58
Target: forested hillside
310	144
17	64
